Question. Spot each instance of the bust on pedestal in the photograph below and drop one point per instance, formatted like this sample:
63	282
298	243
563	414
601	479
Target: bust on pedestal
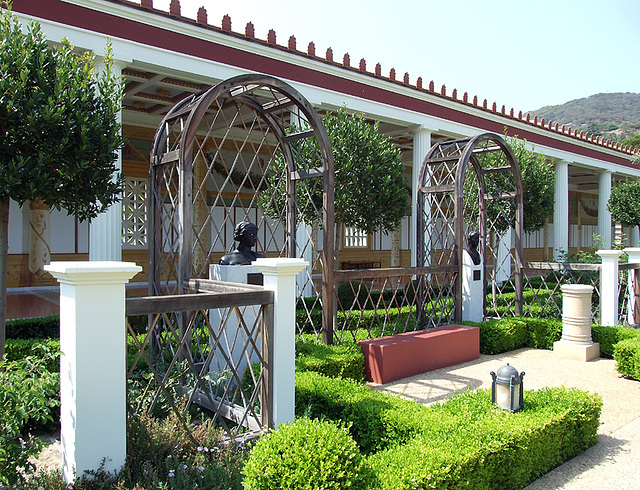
236	267
246	233
472	281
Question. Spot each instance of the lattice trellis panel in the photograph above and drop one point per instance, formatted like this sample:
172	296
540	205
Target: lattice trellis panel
134	212
250	148
468	185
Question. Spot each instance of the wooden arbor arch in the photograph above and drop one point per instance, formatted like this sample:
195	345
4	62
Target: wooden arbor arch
213	156
452	203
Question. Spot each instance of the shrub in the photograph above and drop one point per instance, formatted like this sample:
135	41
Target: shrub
306	454
17	349
542	332
337	360
29	396
608	337
353	294
627	356
488	448
377	420
503	335
34	328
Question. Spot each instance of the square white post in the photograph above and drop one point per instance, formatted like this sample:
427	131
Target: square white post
93	364
609	286
280	277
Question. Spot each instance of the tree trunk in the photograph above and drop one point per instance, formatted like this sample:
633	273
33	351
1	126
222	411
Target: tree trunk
4	251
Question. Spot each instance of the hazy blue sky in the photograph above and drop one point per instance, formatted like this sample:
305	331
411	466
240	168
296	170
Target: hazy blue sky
524	54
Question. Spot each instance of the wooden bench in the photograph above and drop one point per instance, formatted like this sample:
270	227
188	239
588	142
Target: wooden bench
399	356
376	264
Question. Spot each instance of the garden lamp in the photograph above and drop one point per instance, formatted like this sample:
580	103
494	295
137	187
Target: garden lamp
506	388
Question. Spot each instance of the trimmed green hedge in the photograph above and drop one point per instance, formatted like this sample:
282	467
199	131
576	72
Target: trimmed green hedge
34	328
608	337
464	441
336	361
627	356
489	448
510	333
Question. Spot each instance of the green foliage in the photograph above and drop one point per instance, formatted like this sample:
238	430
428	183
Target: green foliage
633	142
370	193
353	294
488	448
164	453
624	203
538	184
29	395
59	123
609	336
509	333
377	420
463	441
627	356
18	349
336	360
306	454
34	328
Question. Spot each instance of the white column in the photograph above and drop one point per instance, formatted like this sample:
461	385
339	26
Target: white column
634	240
280	277
604	216
93	381
561	210
421	146
634	300
609	286
105	230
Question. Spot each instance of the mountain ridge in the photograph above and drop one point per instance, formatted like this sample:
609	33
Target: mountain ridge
615	116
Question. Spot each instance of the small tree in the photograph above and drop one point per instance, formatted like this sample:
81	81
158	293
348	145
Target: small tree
370	193
624	203
538	188
59	133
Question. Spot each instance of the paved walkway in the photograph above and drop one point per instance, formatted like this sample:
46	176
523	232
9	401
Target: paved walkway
614	462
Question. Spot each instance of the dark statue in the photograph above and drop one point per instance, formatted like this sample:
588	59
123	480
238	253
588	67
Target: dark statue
473	240
246	233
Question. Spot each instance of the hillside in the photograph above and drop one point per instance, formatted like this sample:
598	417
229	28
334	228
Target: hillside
614	116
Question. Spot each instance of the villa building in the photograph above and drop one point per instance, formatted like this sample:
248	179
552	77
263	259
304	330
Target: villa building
165	57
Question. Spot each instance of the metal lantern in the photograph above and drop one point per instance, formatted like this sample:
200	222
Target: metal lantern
507	389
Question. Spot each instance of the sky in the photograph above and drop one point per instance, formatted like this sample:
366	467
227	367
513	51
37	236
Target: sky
524	54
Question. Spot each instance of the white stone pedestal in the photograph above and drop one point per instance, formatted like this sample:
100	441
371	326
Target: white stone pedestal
472	290
576	340
93	376
234	337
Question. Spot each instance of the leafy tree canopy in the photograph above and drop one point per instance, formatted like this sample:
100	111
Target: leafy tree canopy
59	130
538	187
369	189
624	203
58	126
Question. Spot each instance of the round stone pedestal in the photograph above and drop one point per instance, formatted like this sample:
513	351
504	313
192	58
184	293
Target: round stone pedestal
576	342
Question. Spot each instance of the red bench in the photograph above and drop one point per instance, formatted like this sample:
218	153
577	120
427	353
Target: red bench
399	356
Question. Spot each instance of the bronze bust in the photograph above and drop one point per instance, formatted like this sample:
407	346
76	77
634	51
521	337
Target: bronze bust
246	233
473	240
